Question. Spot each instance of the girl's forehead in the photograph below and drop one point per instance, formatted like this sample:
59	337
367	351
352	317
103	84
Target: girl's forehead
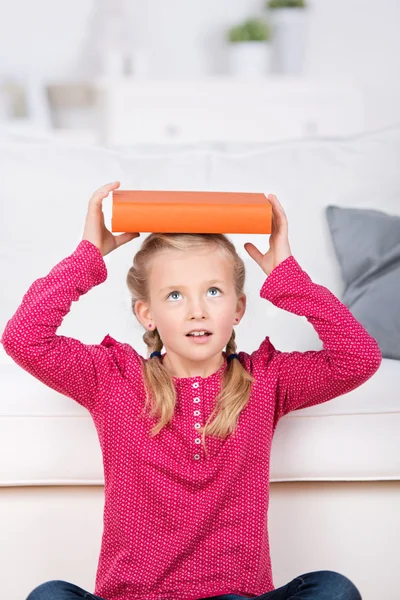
179	267
174	259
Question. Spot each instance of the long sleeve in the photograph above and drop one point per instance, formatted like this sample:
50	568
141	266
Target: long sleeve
350	355
62	363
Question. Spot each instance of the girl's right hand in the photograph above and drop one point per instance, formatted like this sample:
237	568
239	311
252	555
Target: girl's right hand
95	230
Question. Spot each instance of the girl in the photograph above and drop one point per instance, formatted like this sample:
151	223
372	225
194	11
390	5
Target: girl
185	519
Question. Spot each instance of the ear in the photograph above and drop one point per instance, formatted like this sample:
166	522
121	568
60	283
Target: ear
241	305
143	313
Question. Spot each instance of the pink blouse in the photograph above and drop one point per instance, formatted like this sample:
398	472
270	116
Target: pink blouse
179	524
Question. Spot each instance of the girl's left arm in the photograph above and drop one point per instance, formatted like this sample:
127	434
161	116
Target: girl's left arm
350	355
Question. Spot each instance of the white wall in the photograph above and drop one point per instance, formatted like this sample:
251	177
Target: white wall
347	38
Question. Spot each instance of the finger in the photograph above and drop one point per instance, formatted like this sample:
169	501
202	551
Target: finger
273	224
276	204
279	215
273	198
123	238
107	187
103	192
254	252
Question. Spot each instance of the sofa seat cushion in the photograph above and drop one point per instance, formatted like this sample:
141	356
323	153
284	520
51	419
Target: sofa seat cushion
48	439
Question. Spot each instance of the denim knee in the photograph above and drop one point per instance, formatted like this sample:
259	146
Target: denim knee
50	590
339	586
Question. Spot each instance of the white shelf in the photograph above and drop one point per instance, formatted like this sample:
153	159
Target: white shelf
225	109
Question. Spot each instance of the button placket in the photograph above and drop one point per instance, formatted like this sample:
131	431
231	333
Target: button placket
196	413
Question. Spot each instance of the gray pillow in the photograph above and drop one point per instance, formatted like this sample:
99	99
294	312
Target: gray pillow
367	245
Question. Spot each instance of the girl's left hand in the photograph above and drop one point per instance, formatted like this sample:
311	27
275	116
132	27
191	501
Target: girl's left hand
279	248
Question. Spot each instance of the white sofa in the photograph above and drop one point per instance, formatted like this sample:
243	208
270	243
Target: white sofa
335	468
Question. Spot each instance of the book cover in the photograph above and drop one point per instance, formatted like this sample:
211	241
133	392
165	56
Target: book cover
190	212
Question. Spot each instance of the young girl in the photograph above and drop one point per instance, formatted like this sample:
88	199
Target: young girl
185	517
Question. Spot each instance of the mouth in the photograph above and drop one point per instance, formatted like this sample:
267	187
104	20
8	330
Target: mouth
202	335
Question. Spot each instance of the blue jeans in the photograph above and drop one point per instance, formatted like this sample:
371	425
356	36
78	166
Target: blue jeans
317	585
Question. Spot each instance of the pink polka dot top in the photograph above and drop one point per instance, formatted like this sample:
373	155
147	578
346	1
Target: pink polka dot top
179	524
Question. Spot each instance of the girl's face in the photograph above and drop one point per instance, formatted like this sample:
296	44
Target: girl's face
192	291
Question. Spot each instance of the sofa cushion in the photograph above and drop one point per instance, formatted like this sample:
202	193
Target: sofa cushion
367	245
48	439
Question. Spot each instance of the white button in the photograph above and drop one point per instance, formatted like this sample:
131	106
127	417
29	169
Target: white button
196	385
196	399
197	441
196	456
197	425
196	413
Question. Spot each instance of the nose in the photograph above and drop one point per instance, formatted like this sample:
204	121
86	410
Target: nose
198	314
197	310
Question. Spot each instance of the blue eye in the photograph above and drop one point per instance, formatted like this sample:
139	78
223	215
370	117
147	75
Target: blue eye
176	292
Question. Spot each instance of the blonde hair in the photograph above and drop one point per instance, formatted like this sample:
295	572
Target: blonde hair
160	391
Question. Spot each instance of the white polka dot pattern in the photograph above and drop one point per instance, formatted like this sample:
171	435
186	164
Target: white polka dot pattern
179	524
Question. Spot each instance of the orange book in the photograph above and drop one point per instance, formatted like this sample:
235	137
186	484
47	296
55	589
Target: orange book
190	212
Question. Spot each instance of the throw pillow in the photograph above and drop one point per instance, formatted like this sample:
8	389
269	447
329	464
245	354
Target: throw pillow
367	245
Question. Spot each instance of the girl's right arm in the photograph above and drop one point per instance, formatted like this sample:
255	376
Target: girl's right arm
65	364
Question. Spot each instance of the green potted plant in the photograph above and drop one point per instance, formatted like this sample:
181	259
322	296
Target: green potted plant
286	4
288	19
249	47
